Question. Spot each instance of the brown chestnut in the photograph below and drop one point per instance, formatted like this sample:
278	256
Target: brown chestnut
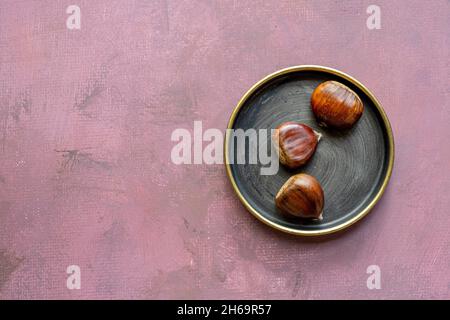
296	143
301	196
336	105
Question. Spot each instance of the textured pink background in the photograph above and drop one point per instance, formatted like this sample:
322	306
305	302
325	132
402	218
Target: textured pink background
85	170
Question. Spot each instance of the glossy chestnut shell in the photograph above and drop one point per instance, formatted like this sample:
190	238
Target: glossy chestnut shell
336	105
295	142
301	196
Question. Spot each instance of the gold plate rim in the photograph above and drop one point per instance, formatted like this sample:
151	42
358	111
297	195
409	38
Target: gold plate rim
384	117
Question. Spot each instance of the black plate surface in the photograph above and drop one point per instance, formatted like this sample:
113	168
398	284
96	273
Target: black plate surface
352	166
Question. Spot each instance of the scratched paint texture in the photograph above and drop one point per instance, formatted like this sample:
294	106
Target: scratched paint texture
85	173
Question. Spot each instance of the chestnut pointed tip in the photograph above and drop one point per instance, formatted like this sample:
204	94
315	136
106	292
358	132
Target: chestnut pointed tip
318	135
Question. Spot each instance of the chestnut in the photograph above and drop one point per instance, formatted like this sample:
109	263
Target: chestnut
336	105
301	196
295	143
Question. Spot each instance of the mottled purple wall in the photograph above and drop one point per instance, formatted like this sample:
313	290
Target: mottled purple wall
85	170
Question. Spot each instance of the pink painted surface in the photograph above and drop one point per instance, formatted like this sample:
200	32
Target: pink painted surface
85	171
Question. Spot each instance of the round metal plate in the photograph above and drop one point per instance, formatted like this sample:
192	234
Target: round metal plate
353	166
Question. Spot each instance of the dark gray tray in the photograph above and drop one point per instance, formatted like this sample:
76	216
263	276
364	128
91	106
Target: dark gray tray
353	166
